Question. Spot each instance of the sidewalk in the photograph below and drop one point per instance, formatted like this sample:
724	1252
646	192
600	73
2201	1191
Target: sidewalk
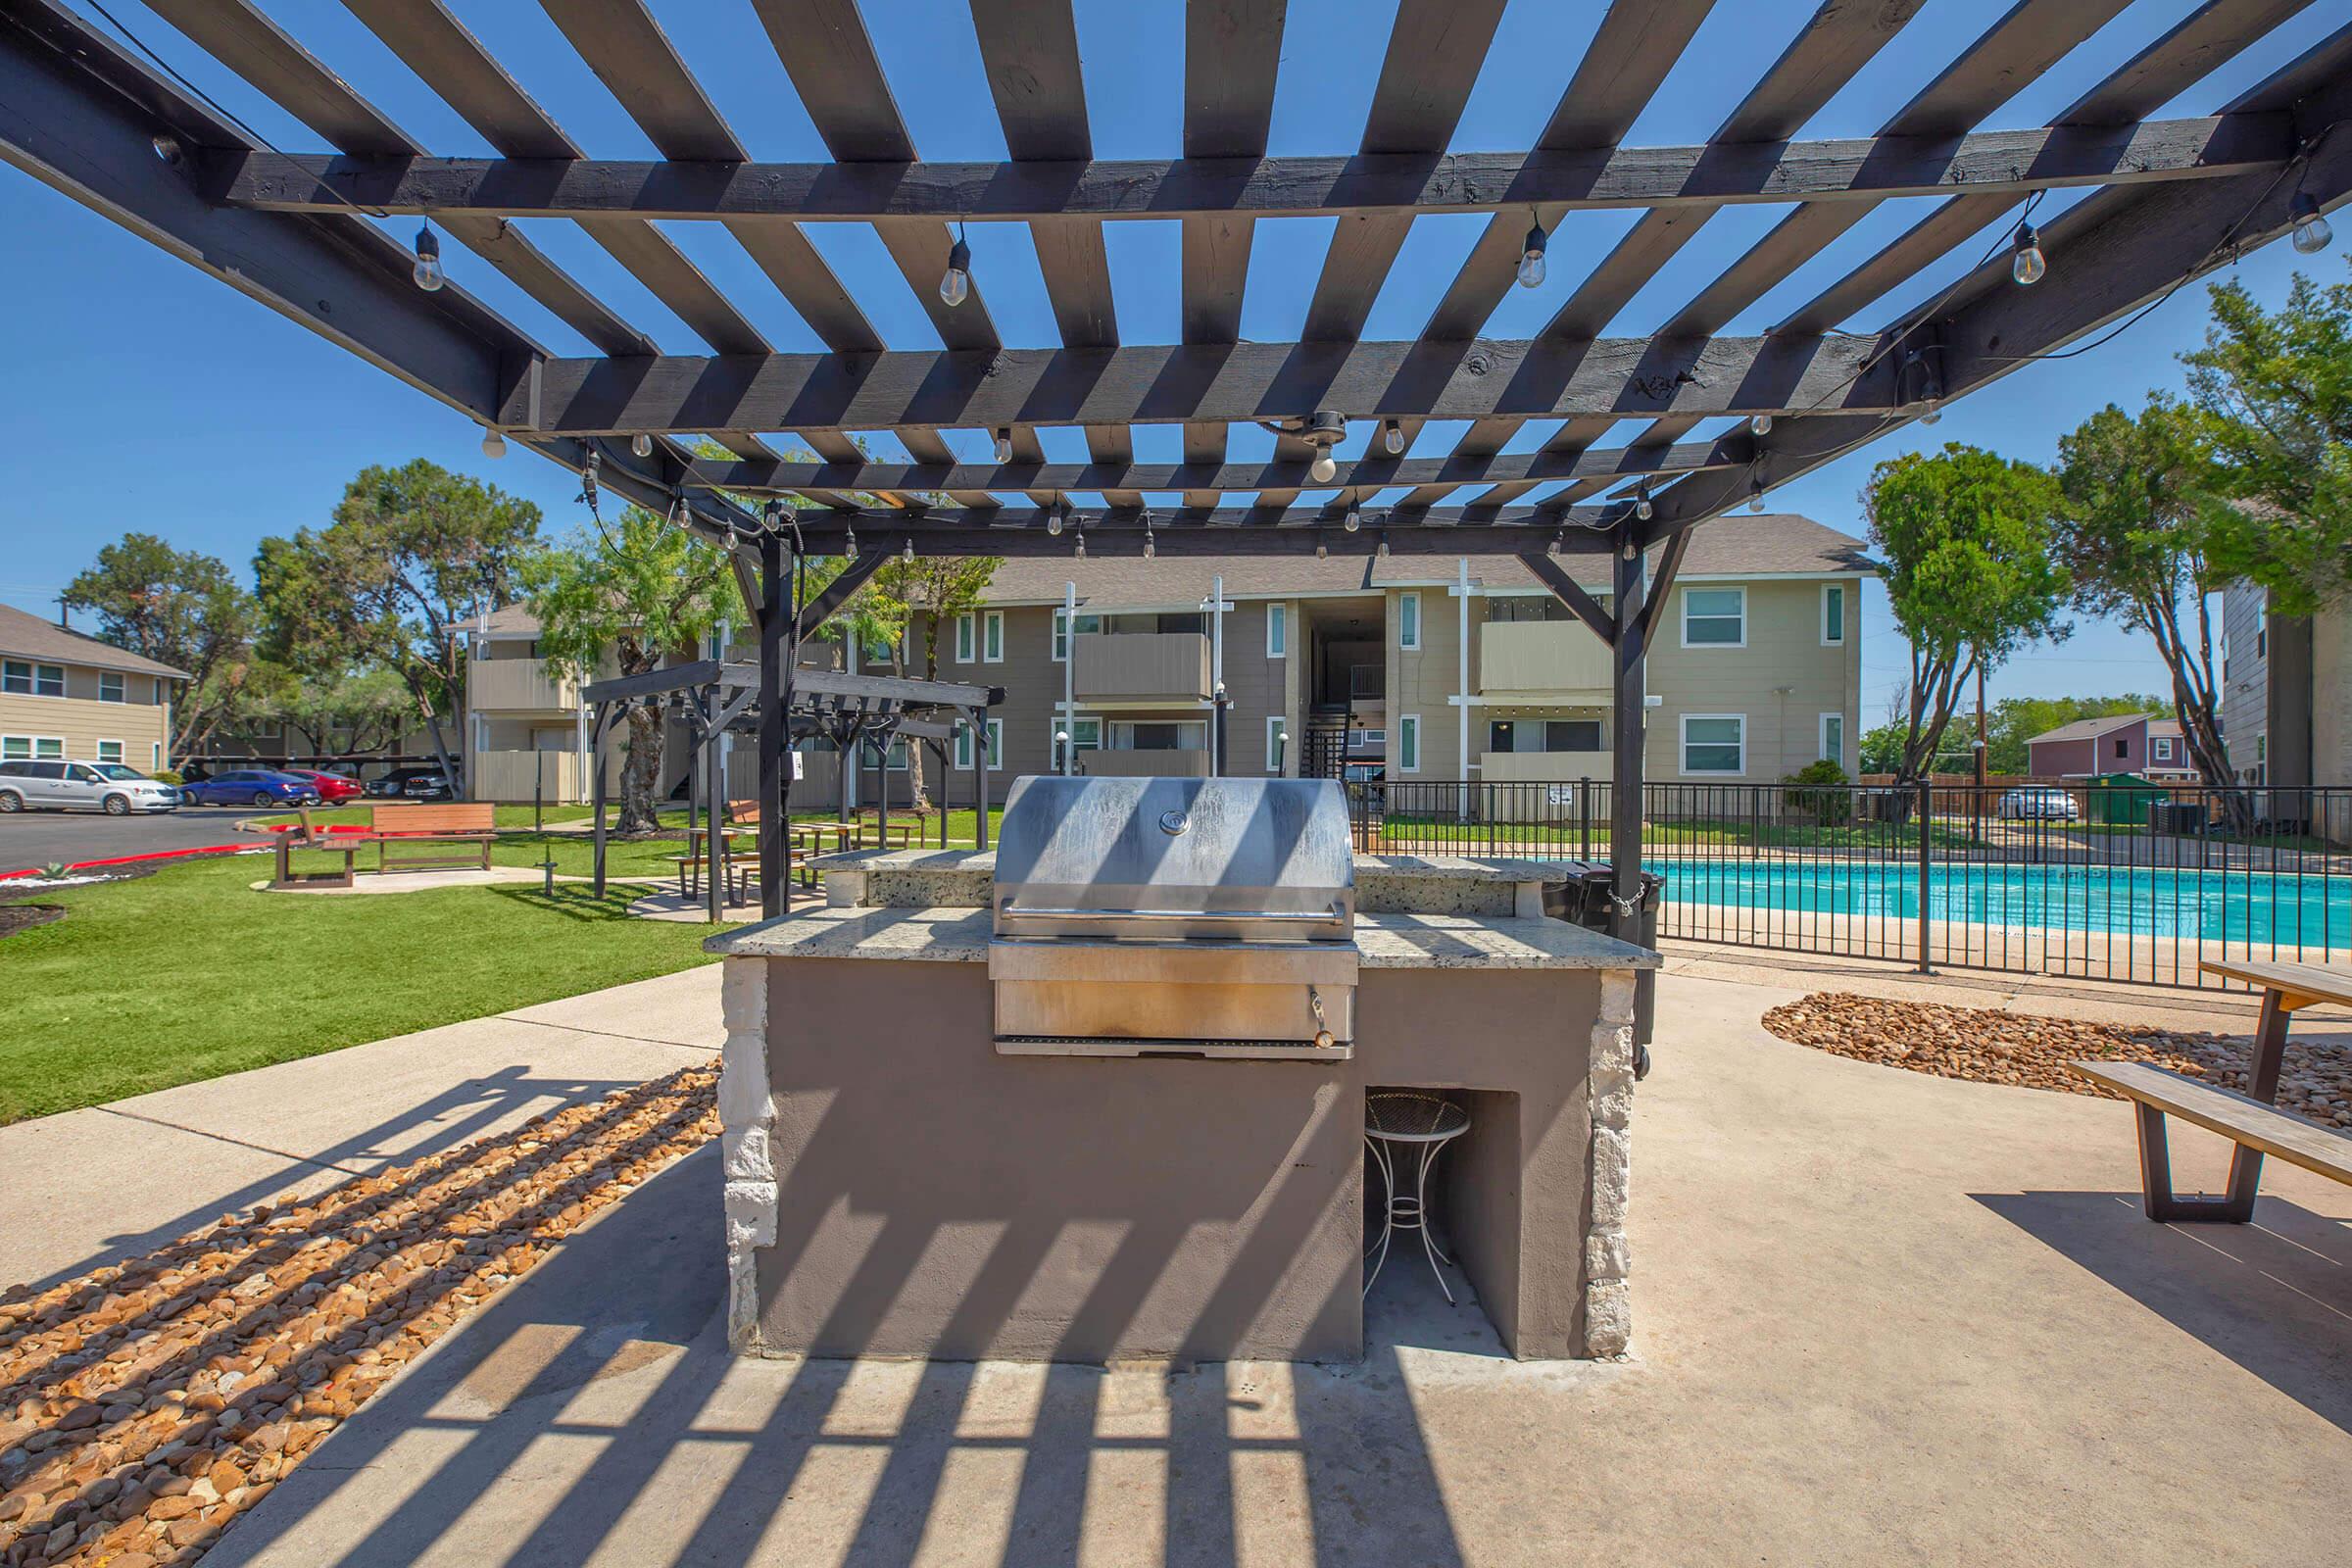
88	1187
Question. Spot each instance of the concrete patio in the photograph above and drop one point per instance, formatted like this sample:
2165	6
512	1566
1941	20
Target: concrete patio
1879	1317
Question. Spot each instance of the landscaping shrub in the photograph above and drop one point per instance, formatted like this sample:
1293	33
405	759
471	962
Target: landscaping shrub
1828	801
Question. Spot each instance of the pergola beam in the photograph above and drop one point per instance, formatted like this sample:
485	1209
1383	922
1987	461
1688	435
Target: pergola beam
1196	384
1520	530
1390	185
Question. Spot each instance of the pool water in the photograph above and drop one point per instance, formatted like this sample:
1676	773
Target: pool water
2256	909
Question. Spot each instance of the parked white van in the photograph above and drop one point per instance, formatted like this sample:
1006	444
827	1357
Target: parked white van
107	786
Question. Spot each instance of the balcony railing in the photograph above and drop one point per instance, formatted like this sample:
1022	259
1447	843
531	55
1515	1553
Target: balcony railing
1144	765
1140	667
521	685
1548	661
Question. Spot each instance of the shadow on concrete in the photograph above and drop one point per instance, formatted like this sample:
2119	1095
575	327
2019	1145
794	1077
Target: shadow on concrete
595	1412
2274	1296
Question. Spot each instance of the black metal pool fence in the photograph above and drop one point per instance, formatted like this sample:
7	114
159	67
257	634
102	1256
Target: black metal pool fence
2131	882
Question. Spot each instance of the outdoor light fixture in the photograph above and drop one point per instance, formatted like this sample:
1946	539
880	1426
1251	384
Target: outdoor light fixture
1642	507
494	445
1322	429
1322	470
1004	444
1755	495
1530	257
2028	265
1931	386
1080	553
1759	424
955	283
1150	549
1054	517
1559	536
1322	550
1381	550
427	272
2312	233
848	540
907	554
1352	522
641	444
167	148
1392	434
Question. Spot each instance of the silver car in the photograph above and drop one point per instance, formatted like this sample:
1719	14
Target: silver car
107	786
2045	805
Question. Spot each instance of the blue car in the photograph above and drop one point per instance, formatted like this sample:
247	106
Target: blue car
260	786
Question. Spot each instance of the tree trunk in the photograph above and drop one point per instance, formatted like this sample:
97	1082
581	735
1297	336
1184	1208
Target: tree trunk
433	732
640	774
918	790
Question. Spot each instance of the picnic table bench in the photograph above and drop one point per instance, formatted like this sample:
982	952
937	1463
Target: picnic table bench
2252	1121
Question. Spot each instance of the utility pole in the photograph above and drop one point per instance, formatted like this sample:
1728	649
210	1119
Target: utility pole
1977	818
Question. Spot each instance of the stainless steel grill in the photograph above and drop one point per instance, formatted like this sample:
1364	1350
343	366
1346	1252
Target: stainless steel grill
1174	915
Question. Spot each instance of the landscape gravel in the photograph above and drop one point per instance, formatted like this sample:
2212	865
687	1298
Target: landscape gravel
1988	1045
145	1405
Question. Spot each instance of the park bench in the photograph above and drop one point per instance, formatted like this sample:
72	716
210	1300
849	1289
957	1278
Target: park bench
2251	1120
433	837
308	837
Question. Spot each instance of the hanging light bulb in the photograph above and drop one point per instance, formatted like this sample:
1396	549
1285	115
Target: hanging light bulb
1081	553
1559	536
427	272
1322	550
494	445
1381	550
1150	549
1755	495
2027	264
2312	233
955	283
1351	522
1931	410
1642	506
641	444
166	147
1323	468
848	540
907	554
1054	517
1005	444
1530	257
1392	438
1759	424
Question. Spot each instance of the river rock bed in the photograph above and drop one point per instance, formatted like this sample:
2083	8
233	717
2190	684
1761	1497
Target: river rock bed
146	1404
1986	1045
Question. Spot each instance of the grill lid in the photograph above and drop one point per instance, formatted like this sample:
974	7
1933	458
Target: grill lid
1167	858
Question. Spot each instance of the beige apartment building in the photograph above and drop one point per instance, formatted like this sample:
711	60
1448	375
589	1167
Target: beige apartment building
68	697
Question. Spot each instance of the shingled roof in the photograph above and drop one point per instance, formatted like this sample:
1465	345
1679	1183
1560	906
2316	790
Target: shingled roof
29	636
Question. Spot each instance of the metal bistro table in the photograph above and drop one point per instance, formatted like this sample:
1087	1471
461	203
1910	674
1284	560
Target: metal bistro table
1420	1126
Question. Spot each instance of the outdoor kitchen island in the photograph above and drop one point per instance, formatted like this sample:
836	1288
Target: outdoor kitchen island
907	1175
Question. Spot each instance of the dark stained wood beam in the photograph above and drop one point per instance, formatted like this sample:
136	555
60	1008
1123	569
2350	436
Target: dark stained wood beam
1568	591
1227	531
1198	386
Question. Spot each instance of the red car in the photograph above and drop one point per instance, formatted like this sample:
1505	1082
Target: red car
333	788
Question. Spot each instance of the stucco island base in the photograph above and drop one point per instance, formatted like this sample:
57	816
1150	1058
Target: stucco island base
895	1188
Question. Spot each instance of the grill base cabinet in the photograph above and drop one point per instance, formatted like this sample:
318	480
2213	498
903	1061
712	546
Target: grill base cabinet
899	1186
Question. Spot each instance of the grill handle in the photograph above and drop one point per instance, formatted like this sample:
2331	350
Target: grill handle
1226	916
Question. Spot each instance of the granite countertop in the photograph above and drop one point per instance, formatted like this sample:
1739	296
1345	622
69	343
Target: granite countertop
1433	867
953	935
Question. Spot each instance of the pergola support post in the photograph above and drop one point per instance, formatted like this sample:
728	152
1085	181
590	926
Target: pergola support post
596	788
1625	793
775	675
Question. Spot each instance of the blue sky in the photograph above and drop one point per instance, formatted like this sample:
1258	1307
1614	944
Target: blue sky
145	395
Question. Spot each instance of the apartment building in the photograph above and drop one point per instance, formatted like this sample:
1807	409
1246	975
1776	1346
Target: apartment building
70	697
2286	704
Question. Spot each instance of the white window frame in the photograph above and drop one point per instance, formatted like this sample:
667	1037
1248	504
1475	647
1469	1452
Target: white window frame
1845	611
1408	751
155	756
991	637
1837	756
32	745
2160	748
121	692
33	674
1682	748
119	756
967	645
1412	644
1275	725
1054	746
964	747
994	749
1278	630
1714	588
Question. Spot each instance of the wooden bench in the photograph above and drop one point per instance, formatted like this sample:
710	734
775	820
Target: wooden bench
307	838
2251	1121
435	830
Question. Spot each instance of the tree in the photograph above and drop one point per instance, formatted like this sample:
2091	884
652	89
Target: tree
2134	494
922	596
354	711
410	554
1966	537
179	607
632	592
2276	391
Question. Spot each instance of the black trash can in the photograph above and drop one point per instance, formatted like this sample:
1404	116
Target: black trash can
1588	898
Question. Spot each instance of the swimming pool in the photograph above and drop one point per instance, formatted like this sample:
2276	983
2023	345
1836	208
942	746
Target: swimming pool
2258	909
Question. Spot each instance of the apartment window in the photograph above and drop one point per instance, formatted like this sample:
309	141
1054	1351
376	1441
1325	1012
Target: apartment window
31	748
1714	617
110	750
1833	614
1409	743
1408	622
2123	747
1714	743
991	637
1833	738
1086	735
1572	735
1363	740
1278	631
26	679
966	641
996	745
2161	748
1159	735
110	686
1278	748
1061	632
2261	642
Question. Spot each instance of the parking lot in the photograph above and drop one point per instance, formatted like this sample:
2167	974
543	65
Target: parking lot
32	839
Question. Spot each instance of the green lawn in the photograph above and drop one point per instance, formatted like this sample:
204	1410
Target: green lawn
188	974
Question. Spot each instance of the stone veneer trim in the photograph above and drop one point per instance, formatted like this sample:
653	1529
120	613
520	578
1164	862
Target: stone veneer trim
1609	1293
744	1112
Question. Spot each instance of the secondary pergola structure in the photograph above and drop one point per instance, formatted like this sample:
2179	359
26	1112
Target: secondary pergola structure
2173	199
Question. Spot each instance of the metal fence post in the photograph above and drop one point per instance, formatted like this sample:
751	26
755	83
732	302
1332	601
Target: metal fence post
1927	804
1584	809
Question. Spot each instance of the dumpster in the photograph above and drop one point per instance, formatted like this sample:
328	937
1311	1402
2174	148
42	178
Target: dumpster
2121	798
1585	899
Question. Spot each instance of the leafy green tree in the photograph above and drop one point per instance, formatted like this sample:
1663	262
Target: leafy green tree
1882	750
412	554
354	711
1966	539
2276	388
2135	493
182	607
631	593
920	596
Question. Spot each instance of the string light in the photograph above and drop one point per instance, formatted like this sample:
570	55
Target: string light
1392	438
1381	550
2312	233
1081	552
1004	444
2027	264
1642	505
1353	521
427	272
907	554
1755	495
848	540
1532	267
955	283
1759	424
494	445
1322	550
1054	517
1323	468
641	444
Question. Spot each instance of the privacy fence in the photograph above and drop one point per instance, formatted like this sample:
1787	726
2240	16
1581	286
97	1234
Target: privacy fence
2119	882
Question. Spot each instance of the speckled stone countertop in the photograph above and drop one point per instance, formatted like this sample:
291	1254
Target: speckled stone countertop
960	934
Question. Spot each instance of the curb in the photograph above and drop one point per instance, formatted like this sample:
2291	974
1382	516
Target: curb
135	860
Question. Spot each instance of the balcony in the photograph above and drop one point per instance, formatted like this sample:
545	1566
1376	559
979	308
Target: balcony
1542	767
1144	765
557	778
1161	667
1554	662
520	686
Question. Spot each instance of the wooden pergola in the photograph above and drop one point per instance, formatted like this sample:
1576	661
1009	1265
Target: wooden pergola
2174	197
